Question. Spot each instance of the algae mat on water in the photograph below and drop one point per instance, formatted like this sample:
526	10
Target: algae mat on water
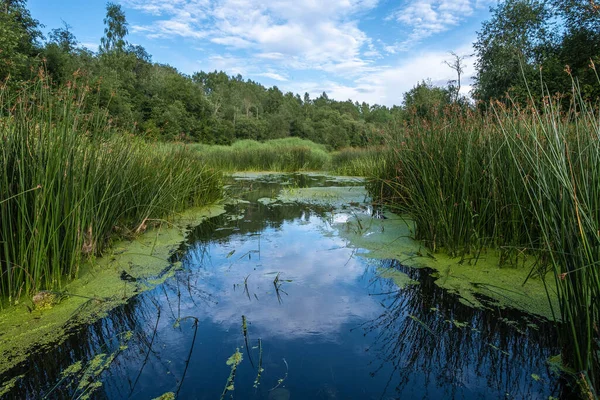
390	237
480	283
126	269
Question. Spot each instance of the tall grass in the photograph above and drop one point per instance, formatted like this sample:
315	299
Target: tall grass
285	155
524	181
68	184
367	162
560	169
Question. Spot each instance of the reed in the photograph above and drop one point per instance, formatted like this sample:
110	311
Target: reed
368	162
69	183
286	155
560	171
522	181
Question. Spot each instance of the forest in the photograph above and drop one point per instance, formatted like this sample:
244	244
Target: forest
524	43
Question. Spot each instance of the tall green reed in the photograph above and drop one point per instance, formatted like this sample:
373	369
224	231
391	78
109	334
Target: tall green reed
69	183
521	180
560	169
286	155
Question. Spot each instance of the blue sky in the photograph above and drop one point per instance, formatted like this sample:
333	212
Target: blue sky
365	50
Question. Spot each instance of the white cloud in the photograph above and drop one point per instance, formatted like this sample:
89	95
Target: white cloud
90	46
273	75
386	85
425	18
304	32
315	46
319	296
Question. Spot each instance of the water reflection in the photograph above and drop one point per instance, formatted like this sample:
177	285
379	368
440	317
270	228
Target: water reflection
329	325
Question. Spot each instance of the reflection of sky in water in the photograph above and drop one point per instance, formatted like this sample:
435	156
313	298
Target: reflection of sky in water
343	332
322	294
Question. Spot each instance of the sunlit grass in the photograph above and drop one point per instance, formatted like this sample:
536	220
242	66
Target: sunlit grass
69	183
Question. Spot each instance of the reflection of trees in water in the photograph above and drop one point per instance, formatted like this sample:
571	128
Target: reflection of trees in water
425	332
44	367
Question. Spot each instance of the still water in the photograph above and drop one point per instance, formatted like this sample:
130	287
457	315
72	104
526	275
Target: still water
304	316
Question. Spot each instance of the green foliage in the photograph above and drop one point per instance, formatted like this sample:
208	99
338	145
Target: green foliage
426	100
115	30
523	181
69	183
287	155
19	34
524	37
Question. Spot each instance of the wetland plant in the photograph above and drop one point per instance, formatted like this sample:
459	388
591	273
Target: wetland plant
522	182
233	361
69	183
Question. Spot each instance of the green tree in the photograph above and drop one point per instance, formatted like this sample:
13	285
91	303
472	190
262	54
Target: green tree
511	47
115	29
19	39
64	38
426	100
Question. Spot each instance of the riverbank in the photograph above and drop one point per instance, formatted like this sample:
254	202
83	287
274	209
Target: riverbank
127	269
70	184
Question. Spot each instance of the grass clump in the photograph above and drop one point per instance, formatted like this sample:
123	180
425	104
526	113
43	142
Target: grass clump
286	155
293	155
525	182
69	183
367	162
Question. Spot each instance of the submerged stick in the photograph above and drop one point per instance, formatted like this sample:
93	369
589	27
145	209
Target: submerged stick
245	332
187	361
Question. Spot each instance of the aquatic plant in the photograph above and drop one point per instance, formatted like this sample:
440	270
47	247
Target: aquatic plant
233	361
523	182
287	155
69	183
281	380
260	369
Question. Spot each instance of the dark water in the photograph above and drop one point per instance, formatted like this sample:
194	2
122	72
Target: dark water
329	327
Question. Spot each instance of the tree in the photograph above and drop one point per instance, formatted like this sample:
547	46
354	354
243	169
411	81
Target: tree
426	100
456	63
19	35
64	38
115	29
511	47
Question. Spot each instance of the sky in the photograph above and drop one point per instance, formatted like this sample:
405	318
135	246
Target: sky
363	50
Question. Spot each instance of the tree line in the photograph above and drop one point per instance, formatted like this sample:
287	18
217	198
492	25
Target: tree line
521	42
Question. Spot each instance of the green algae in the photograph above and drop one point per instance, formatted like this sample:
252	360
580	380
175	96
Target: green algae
391	237
266	201
99	288
399	278
333	196
166	396
9	385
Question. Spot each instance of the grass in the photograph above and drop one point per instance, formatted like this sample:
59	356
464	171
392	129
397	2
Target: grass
525	181
285	155
293	155
69	184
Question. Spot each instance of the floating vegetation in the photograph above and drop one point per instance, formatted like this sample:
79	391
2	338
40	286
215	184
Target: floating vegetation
166	396
8	386
260	368
233	361
87	376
